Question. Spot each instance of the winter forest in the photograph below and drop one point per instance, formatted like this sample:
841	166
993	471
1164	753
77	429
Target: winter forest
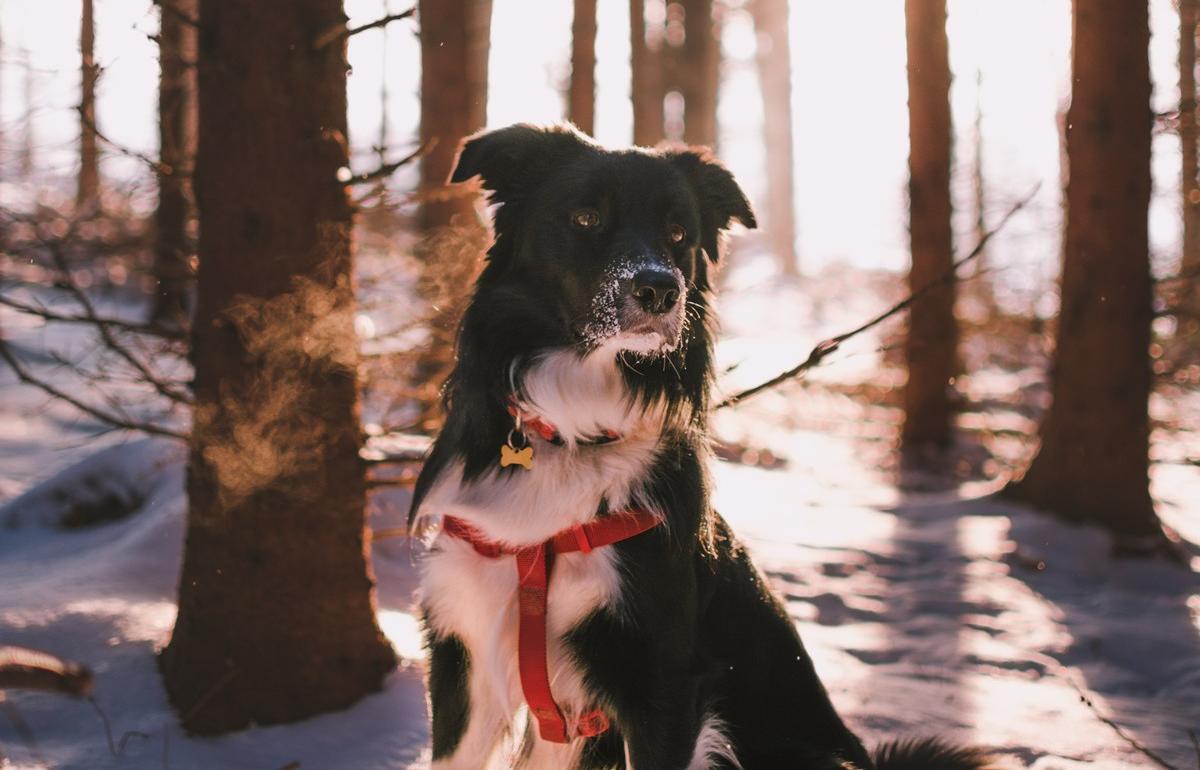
956	418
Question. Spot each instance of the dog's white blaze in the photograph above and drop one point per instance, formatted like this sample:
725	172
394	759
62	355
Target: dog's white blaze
582	397
712	743
474	597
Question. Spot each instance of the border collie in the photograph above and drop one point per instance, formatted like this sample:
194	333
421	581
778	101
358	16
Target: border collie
583	604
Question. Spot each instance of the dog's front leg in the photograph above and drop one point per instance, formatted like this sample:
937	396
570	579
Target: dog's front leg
653	690
466	726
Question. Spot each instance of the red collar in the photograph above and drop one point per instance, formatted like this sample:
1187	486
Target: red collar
548	432
534	563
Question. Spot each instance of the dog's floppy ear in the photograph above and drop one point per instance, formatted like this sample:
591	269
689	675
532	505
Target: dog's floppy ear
721	200
511	161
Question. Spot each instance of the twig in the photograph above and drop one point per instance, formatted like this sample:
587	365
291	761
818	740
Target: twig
388	169
23	730
47	314
155	165
110	340
1195	746
109	419
341	31
116	748
1116	728
826	347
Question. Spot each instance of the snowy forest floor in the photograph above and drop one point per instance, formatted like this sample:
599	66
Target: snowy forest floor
928	606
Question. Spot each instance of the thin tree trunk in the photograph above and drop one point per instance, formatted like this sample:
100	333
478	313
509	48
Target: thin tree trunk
699	72
1190	187
276	605
25	156
89	160
775	77
454	72
581	93
931	344
1092	465
981	283
646	77
177	147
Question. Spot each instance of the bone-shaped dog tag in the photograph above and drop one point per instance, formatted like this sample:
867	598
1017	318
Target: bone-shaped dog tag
513	456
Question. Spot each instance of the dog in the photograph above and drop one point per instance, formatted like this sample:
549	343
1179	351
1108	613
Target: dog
583	605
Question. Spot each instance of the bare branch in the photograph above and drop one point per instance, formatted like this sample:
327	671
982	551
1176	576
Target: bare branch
155	165
115	323
110	340
108	418
339	32
825	347
25	669
1086	699
388	169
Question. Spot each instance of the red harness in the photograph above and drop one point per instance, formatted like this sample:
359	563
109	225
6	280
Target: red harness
534	563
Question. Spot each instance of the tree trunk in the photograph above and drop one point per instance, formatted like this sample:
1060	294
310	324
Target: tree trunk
980	286
775	77
25	155
89	159
1092	465
454	72
276	604
646	77
581	94
931	344
177	142
698	73
1190	263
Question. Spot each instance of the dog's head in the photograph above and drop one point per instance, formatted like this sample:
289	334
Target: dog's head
610	247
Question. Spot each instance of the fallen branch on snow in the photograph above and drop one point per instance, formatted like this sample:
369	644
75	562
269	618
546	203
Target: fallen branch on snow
826	347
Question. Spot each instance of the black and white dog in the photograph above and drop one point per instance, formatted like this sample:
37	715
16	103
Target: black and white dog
584	605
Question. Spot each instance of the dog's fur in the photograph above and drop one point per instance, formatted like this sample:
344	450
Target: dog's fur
674	633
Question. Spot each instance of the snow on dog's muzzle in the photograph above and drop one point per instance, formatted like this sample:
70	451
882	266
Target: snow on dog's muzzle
639	306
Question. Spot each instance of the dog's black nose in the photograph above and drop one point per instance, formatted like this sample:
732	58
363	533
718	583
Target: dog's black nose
656	291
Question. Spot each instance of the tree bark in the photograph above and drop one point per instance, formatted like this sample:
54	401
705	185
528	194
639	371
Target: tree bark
88	187
775	76
454	71
276	605
931	344
698	73
581	93
1092	465
1190	187
646	77
177	147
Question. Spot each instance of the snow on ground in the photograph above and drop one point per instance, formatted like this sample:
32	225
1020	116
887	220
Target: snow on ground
940	612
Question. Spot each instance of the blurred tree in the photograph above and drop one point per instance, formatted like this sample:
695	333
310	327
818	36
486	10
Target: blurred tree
775	75
1190	188
454	73
89	159
930	347
176	142
645	42
980	287
1093	463
276	605
25	154
581	93
696	71
676	48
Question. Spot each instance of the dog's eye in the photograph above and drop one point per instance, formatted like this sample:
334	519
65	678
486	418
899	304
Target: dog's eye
677	233
586	219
